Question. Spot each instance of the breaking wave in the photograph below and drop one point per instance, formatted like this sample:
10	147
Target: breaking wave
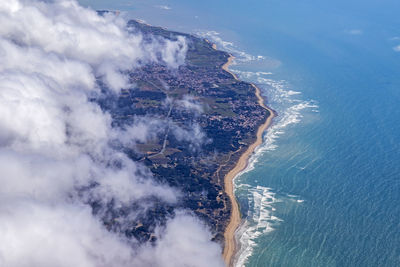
285	101
261	214
240	56
260	220
261	217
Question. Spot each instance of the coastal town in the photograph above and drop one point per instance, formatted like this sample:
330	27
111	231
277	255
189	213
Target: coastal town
221	118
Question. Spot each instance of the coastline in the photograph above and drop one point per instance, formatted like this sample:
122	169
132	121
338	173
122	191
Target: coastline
235	220
225	67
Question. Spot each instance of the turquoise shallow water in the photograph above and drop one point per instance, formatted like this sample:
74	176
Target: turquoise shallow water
324	189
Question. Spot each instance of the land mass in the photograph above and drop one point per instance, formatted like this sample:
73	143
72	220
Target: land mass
227	130
230	247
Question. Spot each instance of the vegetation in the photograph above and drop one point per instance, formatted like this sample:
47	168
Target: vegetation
229	121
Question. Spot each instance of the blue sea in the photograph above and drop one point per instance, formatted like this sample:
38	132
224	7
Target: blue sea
324	188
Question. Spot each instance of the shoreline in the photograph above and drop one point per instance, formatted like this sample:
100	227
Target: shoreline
235	220
225	67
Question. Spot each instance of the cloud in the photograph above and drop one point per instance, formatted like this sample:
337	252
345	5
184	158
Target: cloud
189	103
192	134
163	7
178	238
40	234
56	143
354	32
170	52
174	52
64	27
396	48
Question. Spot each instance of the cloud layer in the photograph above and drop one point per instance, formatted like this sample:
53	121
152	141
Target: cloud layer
55	143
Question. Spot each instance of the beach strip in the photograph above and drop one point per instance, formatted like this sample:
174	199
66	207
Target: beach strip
235	220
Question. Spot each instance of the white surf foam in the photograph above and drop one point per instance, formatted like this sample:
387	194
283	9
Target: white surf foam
240	56
250	74
289	106
291	109
262	218
260	221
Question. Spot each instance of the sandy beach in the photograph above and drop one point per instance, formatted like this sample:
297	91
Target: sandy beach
230	242
225	67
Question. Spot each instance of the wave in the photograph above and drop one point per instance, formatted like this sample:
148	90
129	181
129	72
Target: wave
288	104
259	221
250	74
261	216
291	108
240	56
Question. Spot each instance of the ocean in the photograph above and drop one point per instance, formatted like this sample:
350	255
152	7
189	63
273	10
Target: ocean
324	188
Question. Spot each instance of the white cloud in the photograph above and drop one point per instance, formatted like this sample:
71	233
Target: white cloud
396	48
163	7
64	27
55	141
354	32
38	234
178	238
188	102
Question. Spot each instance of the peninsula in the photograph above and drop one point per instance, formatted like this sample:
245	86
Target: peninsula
220	138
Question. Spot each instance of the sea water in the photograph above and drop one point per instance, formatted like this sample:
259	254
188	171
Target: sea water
324	187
